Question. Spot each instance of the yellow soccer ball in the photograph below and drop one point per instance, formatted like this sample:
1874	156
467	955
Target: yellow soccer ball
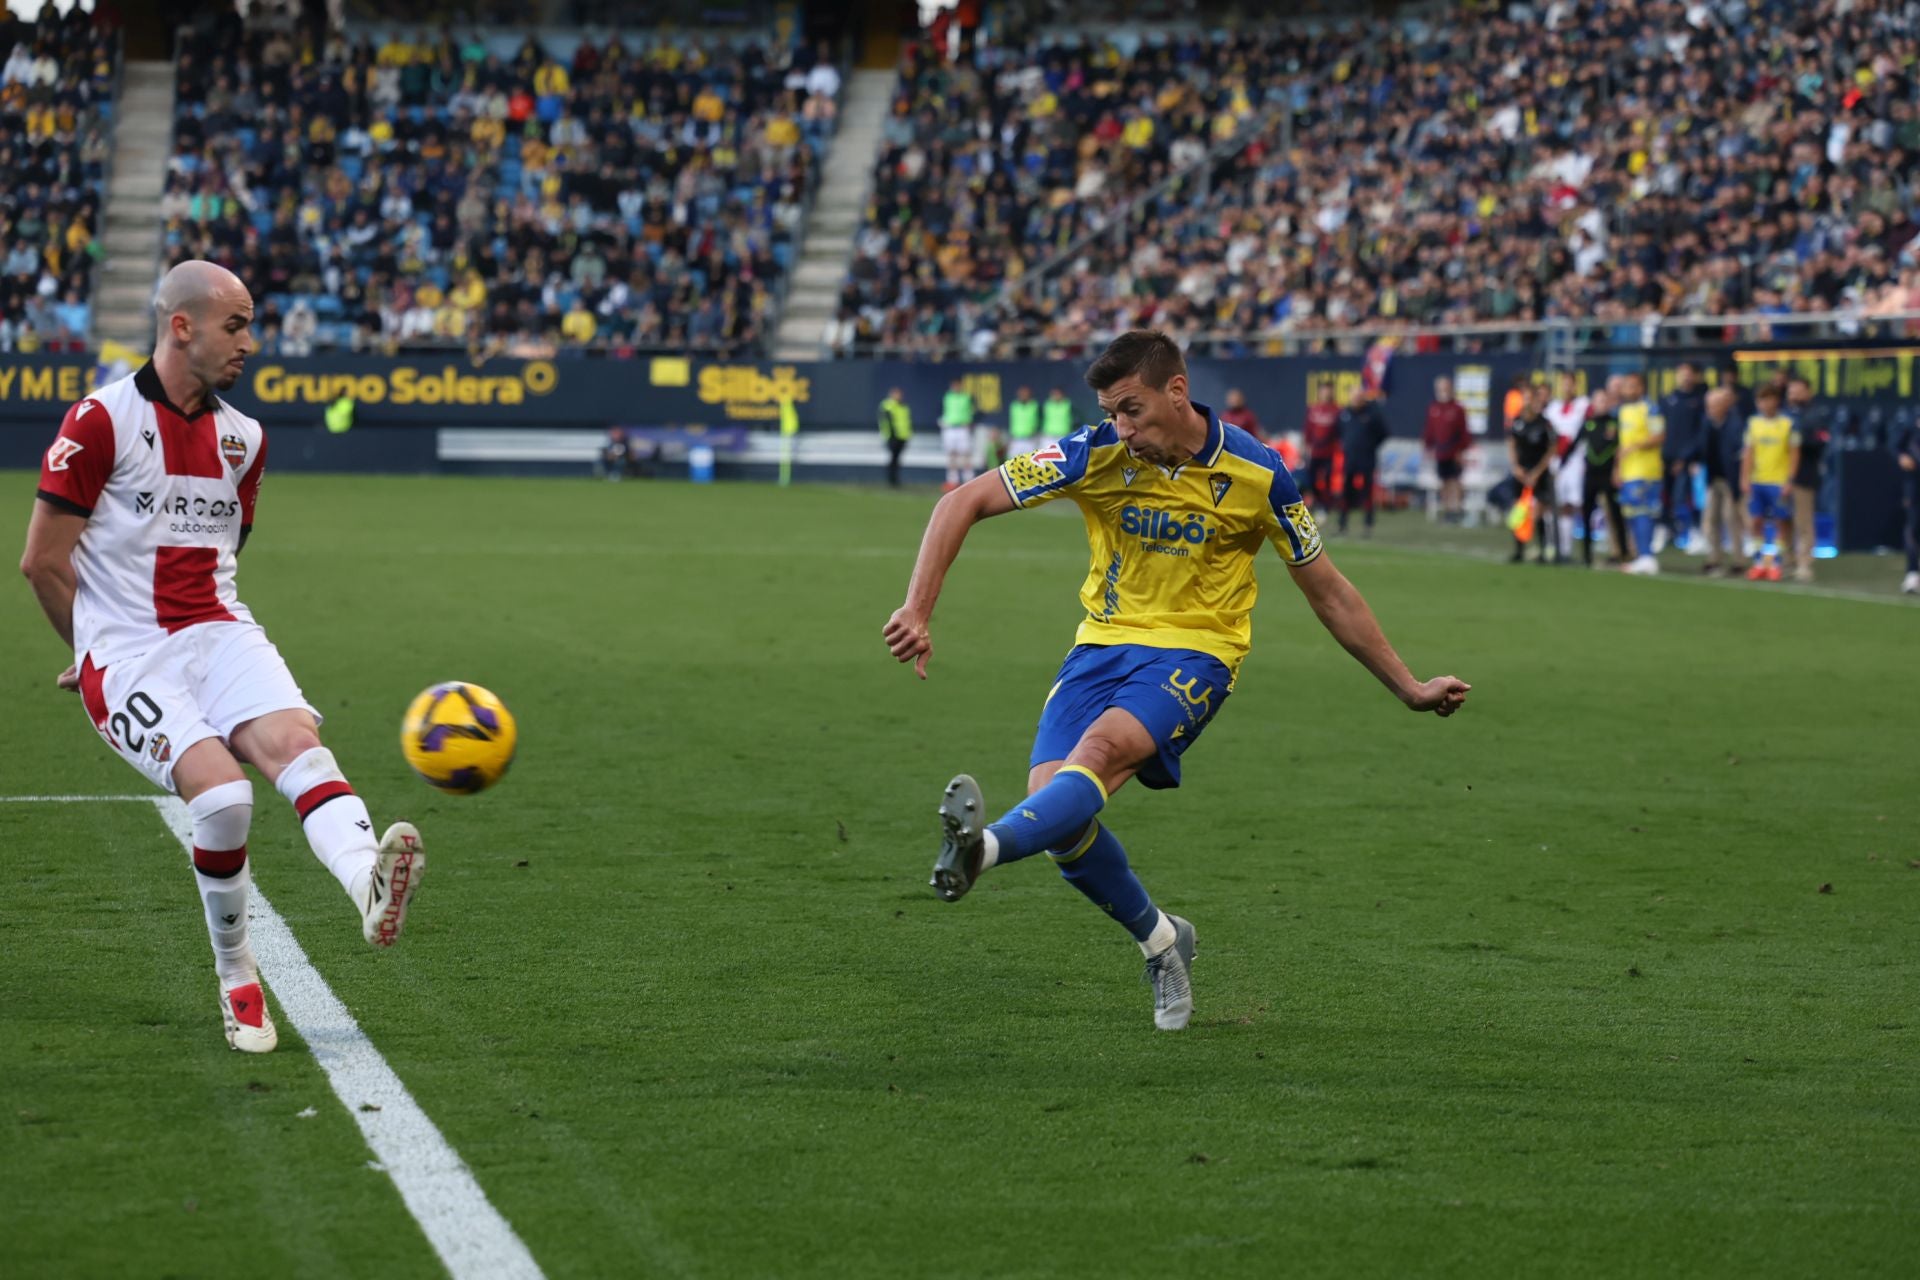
459	737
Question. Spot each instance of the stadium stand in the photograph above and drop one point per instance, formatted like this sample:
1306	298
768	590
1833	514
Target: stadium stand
522	198
1600	160
56	108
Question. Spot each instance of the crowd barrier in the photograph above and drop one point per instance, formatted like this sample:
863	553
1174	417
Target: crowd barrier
432	411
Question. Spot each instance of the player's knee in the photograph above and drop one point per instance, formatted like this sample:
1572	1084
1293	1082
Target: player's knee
1103	753
221	815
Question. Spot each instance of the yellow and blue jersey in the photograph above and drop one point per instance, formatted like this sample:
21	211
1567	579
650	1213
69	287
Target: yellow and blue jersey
1172	552
1639	423
1772	440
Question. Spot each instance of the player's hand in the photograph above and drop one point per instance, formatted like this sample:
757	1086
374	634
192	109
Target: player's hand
907	639
1907	463
1442	695
69	680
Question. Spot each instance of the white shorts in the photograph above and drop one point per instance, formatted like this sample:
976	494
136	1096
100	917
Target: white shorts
203	682
1017	447
1568	480
957	441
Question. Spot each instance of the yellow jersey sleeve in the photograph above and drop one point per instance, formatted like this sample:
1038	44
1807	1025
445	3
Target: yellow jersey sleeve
1291	528
1050	472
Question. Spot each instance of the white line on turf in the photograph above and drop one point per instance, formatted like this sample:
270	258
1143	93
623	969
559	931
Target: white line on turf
473	1240
468	1233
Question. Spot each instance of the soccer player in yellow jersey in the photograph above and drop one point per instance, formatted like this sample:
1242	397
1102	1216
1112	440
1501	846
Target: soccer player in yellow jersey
1177	506
1638	471
1767	464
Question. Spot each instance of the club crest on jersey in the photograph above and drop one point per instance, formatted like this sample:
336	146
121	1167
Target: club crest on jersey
1127	474
62	452
234	450
1052	452
1220	486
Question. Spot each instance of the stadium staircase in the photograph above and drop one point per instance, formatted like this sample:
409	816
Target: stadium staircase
129	268
826	247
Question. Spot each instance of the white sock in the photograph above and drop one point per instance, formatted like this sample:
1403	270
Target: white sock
221	816
991	854
334	818
1160	939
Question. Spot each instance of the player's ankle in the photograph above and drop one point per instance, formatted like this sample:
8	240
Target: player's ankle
1160	937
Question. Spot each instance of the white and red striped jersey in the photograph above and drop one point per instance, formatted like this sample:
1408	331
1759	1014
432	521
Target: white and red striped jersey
168	498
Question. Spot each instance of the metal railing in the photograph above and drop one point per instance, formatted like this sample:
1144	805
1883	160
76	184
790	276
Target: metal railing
1671	335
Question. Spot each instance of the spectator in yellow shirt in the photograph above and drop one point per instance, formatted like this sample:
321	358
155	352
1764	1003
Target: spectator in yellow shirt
709	107
470	294
578	326
783	132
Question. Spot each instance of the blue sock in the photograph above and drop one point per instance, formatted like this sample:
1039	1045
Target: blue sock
1643	534
1096	865
1051	816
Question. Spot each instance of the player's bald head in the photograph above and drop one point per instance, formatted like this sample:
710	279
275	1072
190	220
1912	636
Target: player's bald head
191	287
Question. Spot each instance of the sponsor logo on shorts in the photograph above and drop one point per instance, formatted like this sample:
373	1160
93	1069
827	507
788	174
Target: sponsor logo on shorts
1197	697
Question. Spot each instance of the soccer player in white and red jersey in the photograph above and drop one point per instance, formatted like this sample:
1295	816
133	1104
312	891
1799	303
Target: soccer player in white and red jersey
146	497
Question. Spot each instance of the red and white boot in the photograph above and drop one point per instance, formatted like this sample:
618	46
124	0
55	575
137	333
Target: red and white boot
396	874
243	1008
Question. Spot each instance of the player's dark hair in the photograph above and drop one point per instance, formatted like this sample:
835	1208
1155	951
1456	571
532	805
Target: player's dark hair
1147	353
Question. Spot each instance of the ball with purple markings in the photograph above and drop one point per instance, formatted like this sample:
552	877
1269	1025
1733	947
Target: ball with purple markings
458	736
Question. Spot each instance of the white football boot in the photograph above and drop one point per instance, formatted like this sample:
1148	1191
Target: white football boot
1168	975
243	1010
397	870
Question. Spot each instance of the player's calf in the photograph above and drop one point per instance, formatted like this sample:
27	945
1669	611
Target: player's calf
221	816
380	877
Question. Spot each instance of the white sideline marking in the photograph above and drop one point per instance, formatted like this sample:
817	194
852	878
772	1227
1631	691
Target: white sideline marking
468	1233
473	1240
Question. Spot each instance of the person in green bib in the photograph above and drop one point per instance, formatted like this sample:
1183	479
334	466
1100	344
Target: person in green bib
956	433
1023	423
896	428
1056	417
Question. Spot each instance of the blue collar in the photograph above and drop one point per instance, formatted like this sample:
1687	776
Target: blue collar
1216	442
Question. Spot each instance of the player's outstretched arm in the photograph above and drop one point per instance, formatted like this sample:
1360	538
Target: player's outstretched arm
52	534
906	632
1344	613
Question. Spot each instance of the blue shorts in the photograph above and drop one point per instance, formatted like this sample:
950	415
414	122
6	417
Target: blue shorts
1769	502
1639	498
1173	692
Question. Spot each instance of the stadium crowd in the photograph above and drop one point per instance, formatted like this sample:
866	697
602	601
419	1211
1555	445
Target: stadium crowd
56	108
447	192
1598	160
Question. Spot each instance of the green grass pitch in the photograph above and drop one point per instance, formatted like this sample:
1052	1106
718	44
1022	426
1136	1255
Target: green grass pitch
1613	974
